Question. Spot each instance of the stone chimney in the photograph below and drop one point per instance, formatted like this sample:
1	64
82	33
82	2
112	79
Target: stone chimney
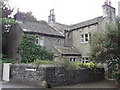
108	11
19	16
51	17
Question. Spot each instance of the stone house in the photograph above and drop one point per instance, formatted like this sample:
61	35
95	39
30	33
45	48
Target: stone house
65	41
61	52
46	36
77	36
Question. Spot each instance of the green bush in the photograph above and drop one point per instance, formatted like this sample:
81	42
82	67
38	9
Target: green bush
90	65
115	66
4	60
67	64
39	62
74	65
29	51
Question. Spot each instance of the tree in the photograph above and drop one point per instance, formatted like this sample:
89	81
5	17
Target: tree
5	23
29	51
26	16
42	22
105	47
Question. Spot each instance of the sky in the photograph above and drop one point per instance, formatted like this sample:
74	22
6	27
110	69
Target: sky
66	11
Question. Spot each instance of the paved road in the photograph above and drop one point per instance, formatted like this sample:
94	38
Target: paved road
99	84
15	85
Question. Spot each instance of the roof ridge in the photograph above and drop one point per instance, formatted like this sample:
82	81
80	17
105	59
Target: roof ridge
86	21
56	30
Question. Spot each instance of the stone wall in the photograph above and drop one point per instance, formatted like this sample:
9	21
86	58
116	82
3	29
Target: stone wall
83	48
54	76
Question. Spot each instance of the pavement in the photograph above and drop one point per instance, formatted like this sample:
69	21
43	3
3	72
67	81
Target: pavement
15	85
99	84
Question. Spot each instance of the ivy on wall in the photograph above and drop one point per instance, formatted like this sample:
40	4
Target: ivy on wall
29	51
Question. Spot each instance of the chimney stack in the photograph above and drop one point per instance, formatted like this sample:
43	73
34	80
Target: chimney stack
17	10
107	2
51	17
110	2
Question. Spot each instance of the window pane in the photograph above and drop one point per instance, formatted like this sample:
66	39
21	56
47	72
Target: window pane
74	59
86	37
70	59
37	40
41	42
82	38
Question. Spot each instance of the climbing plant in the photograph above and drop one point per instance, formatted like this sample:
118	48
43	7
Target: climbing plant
29	51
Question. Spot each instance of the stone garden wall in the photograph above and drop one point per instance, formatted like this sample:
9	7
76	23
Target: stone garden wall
52	75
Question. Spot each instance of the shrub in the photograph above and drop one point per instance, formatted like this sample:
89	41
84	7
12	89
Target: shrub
115	66
67	64
29	51
3	59
74	65
39	62
90	65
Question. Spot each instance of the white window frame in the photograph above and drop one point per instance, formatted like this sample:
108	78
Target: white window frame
39	41
73	59
86	41
83	38
84	60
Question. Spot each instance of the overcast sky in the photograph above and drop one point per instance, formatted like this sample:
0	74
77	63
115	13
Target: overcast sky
66	11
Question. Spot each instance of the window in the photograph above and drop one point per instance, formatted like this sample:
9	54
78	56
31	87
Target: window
84	38
39	41
73	59
84	60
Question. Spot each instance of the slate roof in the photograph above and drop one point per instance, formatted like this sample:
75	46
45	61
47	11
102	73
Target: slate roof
59	27
85	23
38	28
67	50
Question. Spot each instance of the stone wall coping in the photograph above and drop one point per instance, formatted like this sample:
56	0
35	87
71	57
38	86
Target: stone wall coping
33	65
47	66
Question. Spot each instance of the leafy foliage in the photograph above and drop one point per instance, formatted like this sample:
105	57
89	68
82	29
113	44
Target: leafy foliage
29	51
5	23
42	22
67	64
5	9
105	45
3	59
25	16
115	66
